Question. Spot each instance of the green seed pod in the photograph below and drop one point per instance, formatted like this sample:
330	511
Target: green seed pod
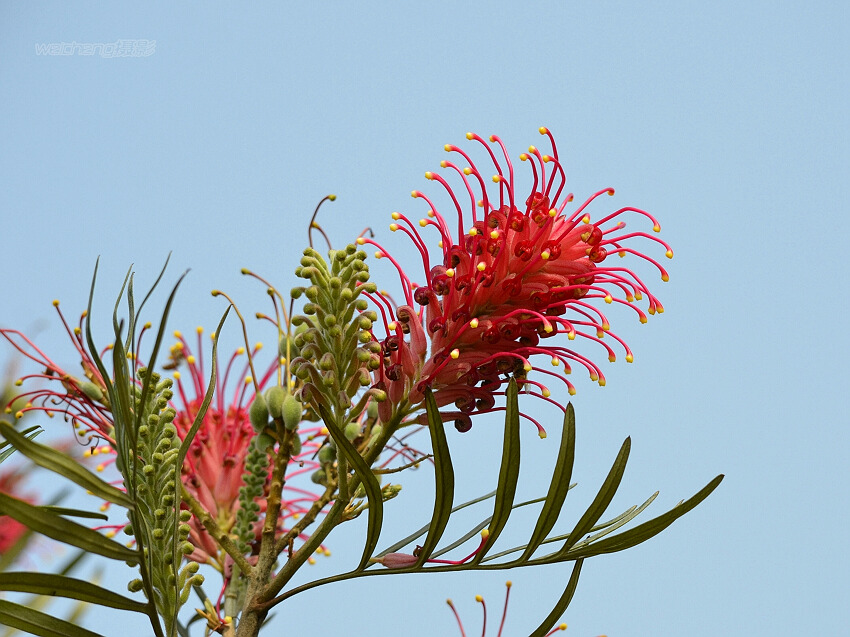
264	441
319	477
296	445
352	431
327	454
259	413
291	412
372	410
275	395
91	390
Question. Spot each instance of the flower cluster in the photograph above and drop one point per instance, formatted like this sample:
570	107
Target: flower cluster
517	274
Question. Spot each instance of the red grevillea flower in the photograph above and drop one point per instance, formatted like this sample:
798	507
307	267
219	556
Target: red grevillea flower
517	273
215	465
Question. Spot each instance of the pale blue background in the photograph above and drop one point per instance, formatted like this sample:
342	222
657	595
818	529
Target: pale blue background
727	120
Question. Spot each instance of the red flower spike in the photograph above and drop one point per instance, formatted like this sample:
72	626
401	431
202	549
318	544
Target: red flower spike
508	282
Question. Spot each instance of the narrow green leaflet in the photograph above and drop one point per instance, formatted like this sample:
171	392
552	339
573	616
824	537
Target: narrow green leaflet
58	528
444	480
562	604
61	586
508	472
38	623
602	500
370	485
30	433
74	513
559	486
648	529
64	465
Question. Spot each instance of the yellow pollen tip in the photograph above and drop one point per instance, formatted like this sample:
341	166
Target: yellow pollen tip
178	334
571	335
606	326
669	254
523	157
414	193
594	377
479	599
630	358
467	171
622	253
473	323
239	351
176	375
546	159
393	227
492	138
378	254
660	309
572	391
110	534
532	149
610	192
78	331
545	255
395	216
19	382
473	232
19	414
564	627
509	583
612	358
440	243
651	311
485	533
258	346
481	267
656	228
527	367
432	214
455	354
630	298
639	295
494	234
609	299
542	434
665	277
450	273
447	148
469	136
480	203
423	222
545	393
429	175
585	219
249	380
360	241
215	292
600	334
543	130
55	302
547	327
392	326
497	179
643	319
602	382
443	163
553	212
555	362
99	468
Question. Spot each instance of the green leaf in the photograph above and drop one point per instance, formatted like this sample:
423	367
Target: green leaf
444	480
74	513
417	534
62	530
508	472
602	500
553	617
38	623
648	529
370	485
559	486
61	586
30	433
62	464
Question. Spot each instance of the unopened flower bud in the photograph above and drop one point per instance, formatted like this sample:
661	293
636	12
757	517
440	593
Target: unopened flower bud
352	431
291	412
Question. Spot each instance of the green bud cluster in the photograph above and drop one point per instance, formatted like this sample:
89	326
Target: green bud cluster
336	351
158	523
253	483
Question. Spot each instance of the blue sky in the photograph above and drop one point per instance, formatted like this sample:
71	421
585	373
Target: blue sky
728	121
